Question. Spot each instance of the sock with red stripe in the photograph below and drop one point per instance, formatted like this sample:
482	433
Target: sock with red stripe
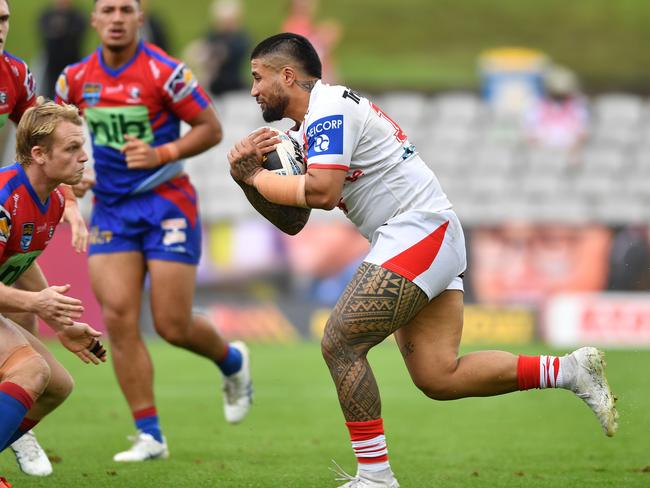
146	421
369	445
231	362
546	372
15	402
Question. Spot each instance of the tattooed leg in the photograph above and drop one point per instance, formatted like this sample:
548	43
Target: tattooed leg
375	304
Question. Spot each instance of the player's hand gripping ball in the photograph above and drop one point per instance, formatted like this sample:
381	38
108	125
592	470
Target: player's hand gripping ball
287	158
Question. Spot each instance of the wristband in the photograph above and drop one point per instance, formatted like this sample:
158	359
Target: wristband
167	152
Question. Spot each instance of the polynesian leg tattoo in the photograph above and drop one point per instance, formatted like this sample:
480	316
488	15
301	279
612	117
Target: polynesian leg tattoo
375	304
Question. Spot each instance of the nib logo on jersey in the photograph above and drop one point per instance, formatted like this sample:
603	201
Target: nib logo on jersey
325	136
109	124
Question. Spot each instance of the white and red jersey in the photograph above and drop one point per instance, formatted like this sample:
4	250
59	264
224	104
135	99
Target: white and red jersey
385	175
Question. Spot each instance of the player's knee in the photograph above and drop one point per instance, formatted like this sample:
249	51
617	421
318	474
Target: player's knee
31	373
336	344
62	385
120	321
438	386
176	336
58	389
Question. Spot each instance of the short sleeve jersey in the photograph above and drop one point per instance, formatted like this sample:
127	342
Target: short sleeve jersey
26	224
147	97
17	88
385	175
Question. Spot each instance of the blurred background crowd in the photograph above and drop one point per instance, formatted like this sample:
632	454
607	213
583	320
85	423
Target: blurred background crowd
534	116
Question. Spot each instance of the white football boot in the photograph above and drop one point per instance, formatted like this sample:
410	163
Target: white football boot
238	388
366	479
144	447
591	385
30	456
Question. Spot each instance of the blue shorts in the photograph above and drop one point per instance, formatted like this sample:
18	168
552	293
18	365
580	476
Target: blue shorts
162	223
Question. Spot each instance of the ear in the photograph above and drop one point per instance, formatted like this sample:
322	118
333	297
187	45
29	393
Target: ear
288	75
38	154
93	20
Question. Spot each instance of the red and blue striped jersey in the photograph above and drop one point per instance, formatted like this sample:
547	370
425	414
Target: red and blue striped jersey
26	224
17	88
147	97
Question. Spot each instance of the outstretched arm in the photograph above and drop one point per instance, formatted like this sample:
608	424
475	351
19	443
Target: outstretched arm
289	220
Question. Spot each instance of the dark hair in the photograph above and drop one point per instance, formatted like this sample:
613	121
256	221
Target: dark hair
294	46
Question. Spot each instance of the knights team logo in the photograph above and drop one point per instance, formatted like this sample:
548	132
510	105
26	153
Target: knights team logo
27	235
91	93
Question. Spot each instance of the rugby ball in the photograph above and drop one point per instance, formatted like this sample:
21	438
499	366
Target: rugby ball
287	157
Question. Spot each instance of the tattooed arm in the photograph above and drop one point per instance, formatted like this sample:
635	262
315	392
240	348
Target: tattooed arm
289	220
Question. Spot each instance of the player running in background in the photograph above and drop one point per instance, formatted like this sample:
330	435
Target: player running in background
145	218
32	383
410	283
17	94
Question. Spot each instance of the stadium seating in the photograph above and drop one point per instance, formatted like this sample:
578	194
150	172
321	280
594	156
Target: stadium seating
482	160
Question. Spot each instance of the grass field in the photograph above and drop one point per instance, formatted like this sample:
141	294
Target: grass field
532	439
431	44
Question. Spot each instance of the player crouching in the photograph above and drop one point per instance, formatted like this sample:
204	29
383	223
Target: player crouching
49	148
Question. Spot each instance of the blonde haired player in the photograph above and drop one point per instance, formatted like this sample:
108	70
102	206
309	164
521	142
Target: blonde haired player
17	94
49	148
410	283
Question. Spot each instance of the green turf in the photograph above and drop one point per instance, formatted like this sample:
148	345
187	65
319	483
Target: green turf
533	439
432	44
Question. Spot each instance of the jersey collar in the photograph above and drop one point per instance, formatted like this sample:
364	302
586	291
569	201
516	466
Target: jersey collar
43	207
118	71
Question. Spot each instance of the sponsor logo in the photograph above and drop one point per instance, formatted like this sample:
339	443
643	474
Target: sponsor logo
26	236
3	97
50	232
16	265
91	93
114	89
30	84
16	198
5	225
181	83
109	124
325	136
62	87
154	69
134	91
174	232
98	236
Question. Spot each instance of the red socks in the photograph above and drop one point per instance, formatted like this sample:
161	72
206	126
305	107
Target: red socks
369	444
539	372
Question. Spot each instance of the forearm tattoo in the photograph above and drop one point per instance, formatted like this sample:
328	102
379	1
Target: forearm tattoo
247	167
289	220
307	85
375	304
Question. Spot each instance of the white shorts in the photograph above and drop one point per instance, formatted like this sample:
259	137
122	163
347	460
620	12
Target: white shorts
427	248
